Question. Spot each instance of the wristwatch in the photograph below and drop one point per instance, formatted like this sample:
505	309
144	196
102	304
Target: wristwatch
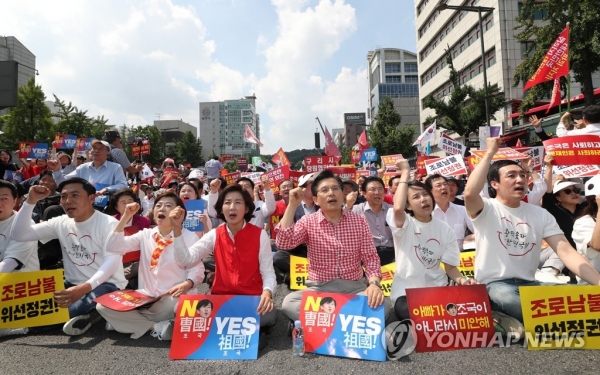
376	283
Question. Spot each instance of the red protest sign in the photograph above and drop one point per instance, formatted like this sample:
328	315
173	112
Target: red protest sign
421	164
355	155
453	165
124	300
231	178
391	159
295	177
242	164
277	175
144	149
536	153
451	317
318	163
574	150
226	158
345	173
280	159
506	153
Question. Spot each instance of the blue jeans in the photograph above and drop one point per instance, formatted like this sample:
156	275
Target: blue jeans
86	304
505	297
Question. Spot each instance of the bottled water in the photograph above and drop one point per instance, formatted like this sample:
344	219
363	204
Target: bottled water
298	339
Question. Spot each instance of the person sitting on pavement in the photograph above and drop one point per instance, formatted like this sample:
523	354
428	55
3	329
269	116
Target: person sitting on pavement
106	176
509	233
187	192
14	256
422	243
375	211
453	215
337	246
243	260
89	270
281	258
586	230
66	163
159	274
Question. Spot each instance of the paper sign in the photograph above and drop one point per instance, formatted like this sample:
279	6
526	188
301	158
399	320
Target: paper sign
574	150
231	178
295	177
277	175
467	264
369	154
65	141
194	208
345	173
387	176
421	164
355	155
27	299
254	177
33	150
573	171
449	166
342	325
101	200
84	143
256	161
391	159
144	149
363	173
537	155
216	327
125	300
226	158
242	164
451	317
502	154
561	316
318	163
451	146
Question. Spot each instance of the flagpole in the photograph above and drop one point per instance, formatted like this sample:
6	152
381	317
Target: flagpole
568	75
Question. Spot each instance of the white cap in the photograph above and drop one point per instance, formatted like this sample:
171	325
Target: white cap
559	185
304	179
592	186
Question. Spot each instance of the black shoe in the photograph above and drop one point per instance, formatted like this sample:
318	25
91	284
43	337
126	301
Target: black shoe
263	340
80	324
290	328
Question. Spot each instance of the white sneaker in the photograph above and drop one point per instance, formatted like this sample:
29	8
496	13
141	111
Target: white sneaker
108	327
80	324
13	331
163	330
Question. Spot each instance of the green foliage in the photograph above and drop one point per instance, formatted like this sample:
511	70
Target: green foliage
231	166
345	151
388	135
584	43
464	111
71	120
30	120
189	150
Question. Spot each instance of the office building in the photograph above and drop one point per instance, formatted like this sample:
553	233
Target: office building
173	130
222	126
13	50
393	73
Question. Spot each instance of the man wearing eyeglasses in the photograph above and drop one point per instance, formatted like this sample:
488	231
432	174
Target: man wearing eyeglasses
374	209
337	248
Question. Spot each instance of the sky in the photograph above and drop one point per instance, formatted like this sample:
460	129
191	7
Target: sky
133	61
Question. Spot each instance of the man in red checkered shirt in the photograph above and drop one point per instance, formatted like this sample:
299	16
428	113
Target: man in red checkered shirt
339	245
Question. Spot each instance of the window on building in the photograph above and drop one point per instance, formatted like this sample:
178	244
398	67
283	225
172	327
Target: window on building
411	79
392	79
392	68
411	67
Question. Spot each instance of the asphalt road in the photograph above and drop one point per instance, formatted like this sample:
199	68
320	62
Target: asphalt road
108	352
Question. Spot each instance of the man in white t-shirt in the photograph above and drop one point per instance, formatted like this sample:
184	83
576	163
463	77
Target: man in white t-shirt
509	233
89	270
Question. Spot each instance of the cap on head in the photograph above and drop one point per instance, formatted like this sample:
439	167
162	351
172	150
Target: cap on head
103	142
303	180
111	135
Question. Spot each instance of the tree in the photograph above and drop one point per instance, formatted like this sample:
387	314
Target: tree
388	135
464	111
77	122
345	151
584	43
157	144
30	120
189	150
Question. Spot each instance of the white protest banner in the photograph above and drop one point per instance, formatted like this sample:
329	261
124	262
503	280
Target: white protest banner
449	166
451	146
574	171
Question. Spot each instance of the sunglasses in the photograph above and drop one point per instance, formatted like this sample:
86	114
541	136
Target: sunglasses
574	190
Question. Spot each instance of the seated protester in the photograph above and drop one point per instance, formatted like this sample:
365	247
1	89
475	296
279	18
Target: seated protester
159	273
375	211
455	187
351	189
506	260
453	215
586	231
46	179
14	256
422	243
89	270
100	172
137	222
66	165
6	164
242	251
337	246
281	259
393	185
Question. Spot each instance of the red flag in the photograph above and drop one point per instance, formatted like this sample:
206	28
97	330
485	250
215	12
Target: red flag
556	62
555	98
362	140
250	137
330	147
518	144
280	158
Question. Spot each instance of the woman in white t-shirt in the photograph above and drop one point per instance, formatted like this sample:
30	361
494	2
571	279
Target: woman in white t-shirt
586	230
422	243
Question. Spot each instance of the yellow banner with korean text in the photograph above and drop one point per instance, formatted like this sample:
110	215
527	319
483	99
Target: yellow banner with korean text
27	299
566	317
467	264
299	274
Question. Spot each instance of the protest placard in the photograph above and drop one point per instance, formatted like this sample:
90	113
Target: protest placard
125	300
453	165
574	150
318	163
194	208
502	154
33	150
451	146
65	141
